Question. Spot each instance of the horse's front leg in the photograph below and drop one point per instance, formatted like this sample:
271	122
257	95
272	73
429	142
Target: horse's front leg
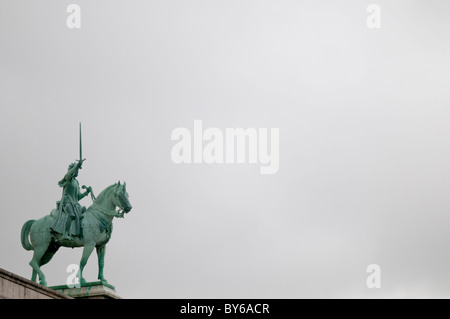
87	250
101	262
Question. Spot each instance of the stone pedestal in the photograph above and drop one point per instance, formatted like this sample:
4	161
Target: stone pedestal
90	290
13	286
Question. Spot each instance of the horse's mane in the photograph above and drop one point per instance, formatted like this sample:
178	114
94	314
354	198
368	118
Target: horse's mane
101	197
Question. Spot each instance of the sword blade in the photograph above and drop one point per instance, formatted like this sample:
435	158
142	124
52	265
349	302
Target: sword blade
81	147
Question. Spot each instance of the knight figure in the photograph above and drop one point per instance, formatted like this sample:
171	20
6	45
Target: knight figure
69	208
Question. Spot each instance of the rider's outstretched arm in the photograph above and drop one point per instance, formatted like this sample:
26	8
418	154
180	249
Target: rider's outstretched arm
70	174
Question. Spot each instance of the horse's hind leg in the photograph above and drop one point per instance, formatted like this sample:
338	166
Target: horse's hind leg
36	263
40	238
33	276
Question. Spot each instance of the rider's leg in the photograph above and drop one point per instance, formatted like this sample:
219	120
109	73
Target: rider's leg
70	218
78	216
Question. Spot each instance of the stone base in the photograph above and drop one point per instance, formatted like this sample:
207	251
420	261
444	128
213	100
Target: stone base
13	286
90	290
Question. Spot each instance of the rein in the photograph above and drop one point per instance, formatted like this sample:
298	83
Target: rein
104	211
97	211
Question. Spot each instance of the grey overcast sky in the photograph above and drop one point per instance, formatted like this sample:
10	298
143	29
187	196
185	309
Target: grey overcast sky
364	128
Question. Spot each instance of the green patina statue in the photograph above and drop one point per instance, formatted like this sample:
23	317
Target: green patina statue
69	209
71	225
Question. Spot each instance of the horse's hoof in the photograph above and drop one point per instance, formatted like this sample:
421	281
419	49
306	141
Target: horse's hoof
43	283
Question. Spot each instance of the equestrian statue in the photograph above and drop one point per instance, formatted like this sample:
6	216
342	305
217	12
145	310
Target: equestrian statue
72	225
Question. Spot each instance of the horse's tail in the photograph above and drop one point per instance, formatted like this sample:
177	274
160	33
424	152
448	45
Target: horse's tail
24	235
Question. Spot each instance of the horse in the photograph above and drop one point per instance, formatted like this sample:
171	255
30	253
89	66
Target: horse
96	225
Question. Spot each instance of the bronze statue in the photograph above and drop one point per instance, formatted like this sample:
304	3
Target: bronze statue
71	225
69	209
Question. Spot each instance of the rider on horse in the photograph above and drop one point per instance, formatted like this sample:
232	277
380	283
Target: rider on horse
69	208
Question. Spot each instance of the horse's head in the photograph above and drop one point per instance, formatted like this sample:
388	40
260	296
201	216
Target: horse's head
120	198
